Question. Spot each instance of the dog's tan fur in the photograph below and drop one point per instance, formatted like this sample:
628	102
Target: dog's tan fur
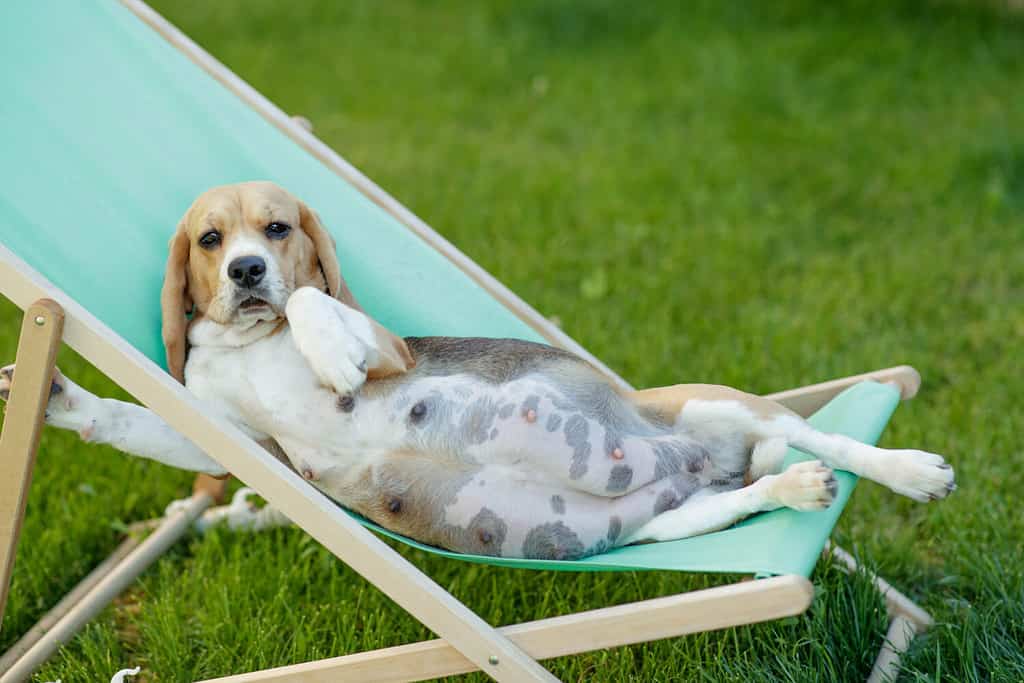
670	401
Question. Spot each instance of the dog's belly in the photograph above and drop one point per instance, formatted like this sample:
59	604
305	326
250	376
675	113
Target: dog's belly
520	469
544	429
534	467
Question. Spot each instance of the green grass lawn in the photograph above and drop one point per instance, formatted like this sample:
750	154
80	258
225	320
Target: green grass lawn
763	195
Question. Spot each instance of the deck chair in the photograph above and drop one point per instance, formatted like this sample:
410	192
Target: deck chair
129	121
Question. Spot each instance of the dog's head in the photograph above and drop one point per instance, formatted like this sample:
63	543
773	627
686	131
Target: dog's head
236	257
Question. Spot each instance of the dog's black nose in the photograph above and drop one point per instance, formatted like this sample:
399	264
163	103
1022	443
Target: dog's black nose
247	271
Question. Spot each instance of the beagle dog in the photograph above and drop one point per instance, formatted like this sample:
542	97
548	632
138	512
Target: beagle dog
490	446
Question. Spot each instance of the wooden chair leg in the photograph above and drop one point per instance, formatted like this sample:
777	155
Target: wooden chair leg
93	599
41	332
907	619
72	598
897	641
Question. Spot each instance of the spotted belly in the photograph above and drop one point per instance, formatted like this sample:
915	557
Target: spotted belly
523	469
589	440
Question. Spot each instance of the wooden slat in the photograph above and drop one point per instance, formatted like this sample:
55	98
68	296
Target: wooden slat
707	610
809	399
23	424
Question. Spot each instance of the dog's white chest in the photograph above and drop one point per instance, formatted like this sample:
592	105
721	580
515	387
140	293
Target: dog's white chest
266	384
269	390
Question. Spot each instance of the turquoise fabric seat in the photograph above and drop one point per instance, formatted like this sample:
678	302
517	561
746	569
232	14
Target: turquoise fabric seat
107	141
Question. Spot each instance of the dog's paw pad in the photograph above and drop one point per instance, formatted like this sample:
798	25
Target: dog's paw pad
806	486
6	377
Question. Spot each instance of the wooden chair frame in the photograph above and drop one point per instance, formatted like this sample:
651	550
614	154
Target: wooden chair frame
467	643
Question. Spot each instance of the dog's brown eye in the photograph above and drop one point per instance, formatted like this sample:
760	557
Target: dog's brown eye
209	239
278	231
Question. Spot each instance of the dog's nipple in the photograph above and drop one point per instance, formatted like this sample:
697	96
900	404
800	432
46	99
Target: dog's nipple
618	454
346	403
418	411
531	415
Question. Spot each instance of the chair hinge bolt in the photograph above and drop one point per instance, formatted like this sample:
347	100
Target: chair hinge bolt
493	660
40	320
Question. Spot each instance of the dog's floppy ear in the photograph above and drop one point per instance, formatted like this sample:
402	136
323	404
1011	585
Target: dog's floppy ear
326	255
395	357
175	303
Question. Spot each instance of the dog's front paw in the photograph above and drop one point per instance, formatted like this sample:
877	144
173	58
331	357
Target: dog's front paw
339	362
58	397
65	407
919	475
805	486
336	341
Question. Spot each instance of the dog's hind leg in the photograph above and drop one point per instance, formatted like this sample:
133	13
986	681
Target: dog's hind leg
724	419
708	411
803	486
916	474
